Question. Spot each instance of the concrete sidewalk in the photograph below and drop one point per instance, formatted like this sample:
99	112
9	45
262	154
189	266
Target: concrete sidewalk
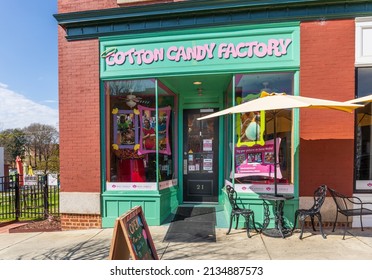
94	244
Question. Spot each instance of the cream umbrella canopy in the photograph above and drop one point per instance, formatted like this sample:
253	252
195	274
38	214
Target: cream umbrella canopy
363	115
365	99
275	102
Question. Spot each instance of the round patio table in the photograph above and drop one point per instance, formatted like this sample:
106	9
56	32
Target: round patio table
280	230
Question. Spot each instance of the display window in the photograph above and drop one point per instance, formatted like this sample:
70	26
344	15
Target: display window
149	122
363	133
253	161
139	124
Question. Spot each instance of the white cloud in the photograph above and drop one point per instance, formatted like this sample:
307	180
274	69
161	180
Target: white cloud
16	111
49	101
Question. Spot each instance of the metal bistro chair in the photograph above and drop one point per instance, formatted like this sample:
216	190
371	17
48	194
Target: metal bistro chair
236	211
350	206
302	214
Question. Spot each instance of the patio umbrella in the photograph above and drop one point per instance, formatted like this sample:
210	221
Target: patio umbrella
365	99
364	114
275	102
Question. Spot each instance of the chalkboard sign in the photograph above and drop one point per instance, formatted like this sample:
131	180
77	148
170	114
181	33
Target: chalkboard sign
132	238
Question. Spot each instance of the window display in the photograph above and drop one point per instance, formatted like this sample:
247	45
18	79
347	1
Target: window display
136	130
363	130
148	125
254	150
125	128
257	160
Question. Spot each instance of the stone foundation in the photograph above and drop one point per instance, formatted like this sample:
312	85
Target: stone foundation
328	225
80	221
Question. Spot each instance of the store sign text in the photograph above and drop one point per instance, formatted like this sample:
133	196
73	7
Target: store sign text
273	47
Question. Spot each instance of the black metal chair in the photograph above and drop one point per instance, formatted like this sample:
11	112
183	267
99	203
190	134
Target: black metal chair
302	214
350	206
236	211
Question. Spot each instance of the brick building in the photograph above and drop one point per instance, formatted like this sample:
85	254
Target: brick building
130	71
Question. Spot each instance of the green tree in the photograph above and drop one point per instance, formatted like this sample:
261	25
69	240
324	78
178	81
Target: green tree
42	146
13	141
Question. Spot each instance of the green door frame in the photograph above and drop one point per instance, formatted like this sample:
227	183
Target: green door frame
204	103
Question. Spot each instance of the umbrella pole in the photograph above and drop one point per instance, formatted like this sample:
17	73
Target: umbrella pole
275	155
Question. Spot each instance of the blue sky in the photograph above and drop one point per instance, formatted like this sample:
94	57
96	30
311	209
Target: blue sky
28	63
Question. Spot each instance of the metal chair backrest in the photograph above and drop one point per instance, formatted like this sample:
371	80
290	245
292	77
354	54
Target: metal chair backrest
232	195
339	199
319	198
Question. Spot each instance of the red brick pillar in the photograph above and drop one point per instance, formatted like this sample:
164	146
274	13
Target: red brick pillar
327	136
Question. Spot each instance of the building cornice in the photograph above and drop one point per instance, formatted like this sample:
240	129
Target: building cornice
203	13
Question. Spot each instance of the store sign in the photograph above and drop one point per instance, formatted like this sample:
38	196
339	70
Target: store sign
210	51
266	189
53	179
363	185
117	186
223	49
167	184
263	188
30	180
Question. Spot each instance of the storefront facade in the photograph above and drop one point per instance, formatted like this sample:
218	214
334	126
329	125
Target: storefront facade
132	88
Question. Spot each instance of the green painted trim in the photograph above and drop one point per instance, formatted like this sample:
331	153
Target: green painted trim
196	14
200	33
155	193
180	150
234	141
168	203
102	139
131	193
116	206
215	65
216	102
157	205
220	147
296	138
157	133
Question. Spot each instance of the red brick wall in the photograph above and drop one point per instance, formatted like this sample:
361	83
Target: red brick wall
327	71
80	221
66	6
327	136
79	115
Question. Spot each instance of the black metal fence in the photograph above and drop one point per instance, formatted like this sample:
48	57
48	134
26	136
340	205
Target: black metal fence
19	201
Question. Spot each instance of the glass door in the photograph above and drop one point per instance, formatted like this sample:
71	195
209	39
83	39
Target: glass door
200	156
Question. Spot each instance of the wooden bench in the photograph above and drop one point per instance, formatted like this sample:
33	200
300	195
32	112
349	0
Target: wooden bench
350	206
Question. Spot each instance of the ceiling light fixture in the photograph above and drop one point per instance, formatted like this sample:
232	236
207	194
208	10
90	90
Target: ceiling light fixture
197	83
